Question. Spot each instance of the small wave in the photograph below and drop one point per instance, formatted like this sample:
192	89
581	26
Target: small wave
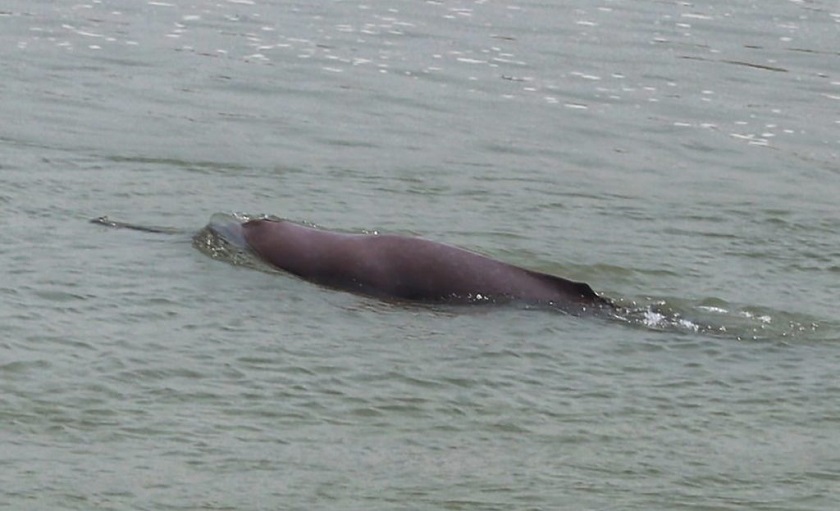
721	319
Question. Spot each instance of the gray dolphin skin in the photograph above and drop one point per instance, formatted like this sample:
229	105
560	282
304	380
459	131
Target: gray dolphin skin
403	268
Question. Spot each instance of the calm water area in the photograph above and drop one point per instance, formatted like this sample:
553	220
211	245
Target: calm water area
683	158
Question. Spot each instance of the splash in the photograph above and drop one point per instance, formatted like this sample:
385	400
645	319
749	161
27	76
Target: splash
222	239
739	322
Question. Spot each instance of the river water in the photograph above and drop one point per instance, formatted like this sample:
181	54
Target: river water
682	158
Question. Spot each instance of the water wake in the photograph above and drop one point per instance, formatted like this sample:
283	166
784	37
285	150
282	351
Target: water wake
720	320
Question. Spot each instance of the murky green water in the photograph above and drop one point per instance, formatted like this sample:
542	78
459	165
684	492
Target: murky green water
681	158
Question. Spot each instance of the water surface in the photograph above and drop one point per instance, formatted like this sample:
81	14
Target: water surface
680	158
